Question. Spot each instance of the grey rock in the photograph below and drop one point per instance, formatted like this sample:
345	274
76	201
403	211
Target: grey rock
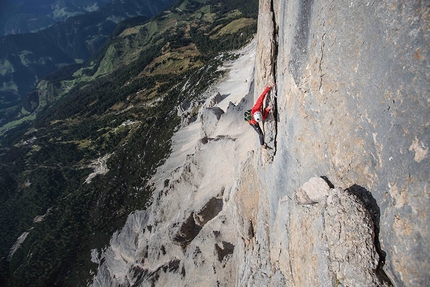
209	118
216	99
313	191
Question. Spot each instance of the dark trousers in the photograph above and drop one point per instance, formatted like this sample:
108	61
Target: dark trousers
259	132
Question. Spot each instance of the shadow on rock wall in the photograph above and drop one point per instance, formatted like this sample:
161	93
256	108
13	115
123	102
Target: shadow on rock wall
369	202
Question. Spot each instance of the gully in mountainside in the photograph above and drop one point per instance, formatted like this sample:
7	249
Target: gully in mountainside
256	115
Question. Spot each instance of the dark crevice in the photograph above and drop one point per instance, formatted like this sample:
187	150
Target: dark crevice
320	68
327	181
140	274
223	250
274	71
369	202
211	209
186	231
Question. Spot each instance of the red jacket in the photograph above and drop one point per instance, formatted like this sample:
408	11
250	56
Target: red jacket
259	105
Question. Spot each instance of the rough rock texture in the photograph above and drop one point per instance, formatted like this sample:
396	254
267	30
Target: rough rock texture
312	191
209	118
352	95
341	197
331	241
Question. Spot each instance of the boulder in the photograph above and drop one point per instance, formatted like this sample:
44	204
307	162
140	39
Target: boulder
313	191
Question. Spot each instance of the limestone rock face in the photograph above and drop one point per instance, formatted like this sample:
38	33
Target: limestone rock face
340	197
209	118
352	102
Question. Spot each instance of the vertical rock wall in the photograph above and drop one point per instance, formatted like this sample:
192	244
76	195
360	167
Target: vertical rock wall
352	86
265	68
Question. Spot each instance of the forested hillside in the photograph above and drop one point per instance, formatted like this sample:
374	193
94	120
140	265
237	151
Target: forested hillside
21	16
72	171
25	59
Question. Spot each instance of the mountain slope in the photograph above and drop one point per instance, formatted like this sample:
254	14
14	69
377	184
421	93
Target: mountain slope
19	17
26	58
186	237
71	176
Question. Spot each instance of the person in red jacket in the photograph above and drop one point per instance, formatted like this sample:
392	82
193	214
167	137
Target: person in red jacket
258	115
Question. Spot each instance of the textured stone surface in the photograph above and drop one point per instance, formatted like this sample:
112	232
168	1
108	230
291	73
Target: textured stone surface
209	118
352	85
313	191
341	197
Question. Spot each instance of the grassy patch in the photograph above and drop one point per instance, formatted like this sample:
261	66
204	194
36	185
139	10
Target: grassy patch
35	148
23	57
183	6
174	61
14	124
130	31
86	143
152	28
107	62
233	27
9	86
6	67
24	112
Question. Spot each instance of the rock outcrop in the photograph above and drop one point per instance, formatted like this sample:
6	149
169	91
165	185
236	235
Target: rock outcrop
340	198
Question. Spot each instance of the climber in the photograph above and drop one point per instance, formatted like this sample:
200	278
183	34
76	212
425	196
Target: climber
256	115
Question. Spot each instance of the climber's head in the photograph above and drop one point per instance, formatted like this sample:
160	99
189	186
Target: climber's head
258	116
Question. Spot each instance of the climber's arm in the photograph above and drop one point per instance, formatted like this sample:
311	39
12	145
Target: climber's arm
260	99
